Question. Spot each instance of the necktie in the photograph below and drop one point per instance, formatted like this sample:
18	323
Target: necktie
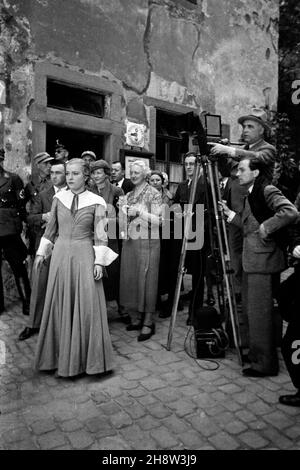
74	206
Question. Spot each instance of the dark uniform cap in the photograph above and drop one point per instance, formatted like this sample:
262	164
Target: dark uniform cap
89	152
2	154
59	146
42	157
99	164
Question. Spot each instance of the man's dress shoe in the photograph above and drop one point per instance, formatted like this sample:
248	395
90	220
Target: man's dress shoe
290	400
249	372
125	319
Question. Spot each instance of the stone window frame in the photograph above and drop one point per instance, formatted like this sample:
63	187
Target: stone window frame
153	104
191	4
110	126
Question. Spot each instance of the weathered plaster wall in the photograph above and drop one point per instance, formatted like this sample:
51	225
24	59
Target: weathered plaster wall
219	55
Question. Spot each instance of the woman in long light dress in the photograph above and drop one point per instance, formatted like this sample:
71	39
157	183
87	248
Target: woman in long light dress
74	336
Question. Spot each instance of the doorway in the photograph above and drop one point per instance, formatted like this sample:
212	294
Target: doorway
76	141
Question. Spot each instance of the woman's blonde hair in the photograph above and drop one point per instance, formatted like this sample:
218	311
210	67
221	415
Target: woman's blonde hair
145	169
84	166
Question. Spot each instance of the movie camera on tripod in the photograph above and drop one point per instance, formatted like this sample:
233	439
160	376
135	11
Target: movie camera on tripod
210	337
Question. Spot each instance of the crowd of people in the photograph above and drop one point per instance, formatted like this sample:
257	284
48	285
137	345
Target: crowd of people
97	236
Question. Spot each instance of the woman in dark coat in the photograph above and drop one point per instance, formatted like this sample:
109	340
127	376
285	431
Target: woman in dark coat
100	173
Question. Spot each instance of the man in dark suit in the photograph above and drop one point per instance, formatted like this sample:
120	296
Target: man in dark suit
12	214
265	212
37	219
118	177
39	182
254	128
289	304
195	258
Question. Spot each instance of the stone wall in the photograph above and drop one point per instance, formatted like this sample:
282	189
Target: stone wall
219	55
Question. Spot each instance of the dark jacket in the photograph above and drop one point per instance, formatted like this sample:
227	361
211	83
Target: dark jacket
33	188
261	150
262	210
12	204
111	194
182	197
41	205
127	185
265	256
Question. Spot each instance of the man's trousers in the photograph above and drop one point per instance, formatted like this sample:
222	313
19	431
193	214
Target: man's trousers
38	293
259	307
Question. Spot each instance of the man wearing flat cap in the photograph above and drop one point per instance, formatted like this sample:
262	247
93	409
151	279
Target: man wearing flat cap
254	126
12	214
40	182
88	156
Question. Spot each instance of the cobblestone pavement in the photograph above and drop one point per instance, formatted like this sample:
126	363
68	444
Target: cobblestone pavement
155	399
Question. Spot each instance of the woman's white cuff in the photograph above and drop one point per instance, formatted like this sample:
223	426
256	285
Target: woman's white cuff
104	255
45	247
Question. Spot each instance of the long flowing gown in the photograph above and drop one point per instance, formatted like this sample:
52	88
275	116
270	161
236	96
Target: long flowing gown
74	335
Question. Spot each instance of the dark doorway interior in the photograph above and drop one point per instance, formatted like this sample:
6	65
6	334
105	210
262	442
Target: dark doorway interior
76	141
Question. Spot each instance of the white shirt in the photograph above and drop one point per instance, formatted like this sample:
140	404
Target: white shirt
232	213
119	183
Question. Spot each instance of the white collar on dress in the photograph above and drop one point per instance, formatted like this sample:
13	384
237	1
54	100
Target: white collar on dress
85	199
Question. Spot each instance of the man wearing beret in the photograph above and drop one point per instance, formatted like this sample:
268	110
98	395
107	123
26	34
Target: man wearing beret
12	213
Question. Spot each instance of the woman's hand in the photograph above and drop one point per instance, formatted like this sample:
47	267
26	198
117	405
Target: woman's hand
38	261
98	272
134	211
